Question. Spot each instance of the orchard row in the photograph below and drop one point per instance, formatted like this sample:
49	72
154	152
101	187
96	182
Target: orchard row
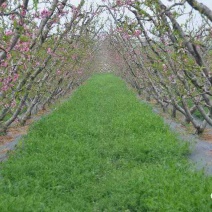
167	52
46	49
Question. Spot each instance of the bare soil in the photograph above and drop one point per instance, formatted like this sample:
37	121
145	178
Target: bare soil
9	141
200	145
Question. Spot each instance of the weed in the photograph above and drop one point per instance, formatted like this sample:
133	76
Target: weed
102	150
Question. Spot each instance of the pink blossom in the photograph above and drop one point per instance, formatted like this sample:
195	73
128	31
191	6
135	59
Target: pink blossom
4	5
24	46
15	77
6	83
49	51
9	56
119	29
75	10
7	80
126	36
9	32
58	72
23	12
4	64
137	32
21	22
45	13
119	2
129	2
60	6
63	12
4	88
12	17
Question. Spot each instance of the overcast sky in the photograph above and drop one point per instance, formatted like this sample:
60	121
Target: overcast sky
182	19
194	24
206	2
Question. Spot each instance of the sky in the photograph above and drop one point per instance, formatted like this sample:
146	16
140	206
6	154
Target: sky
166	2
206	2
194	24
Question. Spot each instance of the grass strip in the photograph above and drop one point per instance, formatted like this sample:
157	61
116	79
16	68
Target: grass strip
102	150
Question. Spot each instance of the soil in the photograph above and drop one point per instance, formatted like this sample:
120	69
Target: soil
14	134
9	141
200	145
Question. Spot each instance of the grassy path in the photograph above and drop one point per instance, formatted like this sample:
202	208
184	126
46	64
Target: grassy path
102	151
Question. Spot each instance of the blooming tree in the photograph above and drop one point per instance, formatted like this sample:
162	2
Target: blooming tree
165	60
43	54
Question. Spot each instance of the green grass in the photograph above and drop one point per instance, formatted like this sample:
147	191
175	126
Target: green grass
102	150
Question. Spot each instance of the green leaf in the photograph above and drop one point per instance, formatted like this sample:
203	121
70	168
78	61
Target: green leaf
24	38
35	4
5	38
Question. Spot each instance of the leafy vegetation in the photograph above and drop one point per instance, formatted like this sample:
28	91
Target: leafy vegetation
102	150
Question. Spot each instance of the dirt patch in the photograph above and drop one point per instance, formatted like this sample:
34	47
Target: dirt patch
9	141
12	133
200	145
207	135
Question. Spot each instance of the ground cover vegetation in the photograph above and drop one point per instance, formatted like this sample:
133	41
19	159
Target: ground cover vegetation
102	150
